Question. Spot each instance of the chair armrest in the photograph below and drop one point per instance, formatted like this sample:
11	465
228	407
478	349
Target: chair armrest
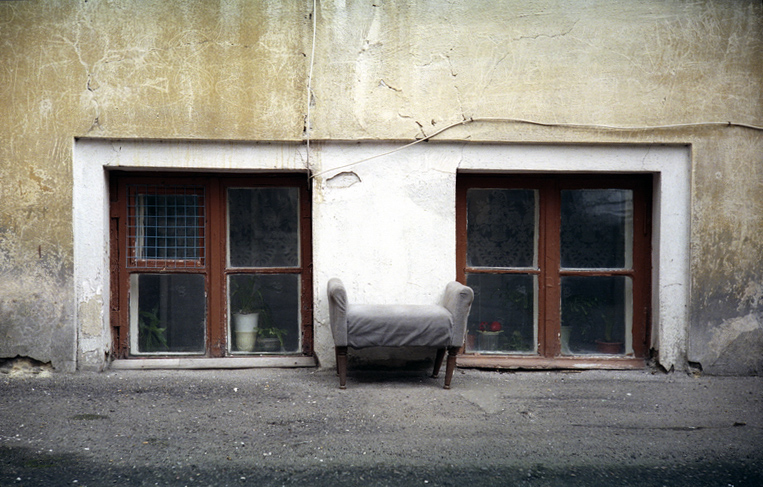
338	311
458	301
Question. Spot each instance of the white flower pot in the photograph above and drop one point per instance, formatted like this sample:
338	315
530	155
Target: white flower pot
489	340
245	330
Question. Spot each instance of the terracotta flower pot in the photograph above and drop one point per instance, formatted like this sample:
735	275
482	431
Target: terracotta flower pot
609	348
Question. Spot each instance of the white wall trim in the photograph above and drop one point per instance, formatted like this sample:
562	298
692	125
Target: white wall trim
671	231
92	158
417	185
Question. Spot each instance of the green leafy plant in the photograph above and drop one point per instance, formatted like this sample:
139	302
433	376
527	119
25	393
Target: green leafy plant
273	332
153	331
587	313
515	341
248	296
517	302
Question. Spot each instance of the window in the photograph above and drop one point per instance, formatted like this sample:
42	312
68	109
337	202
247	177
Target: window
210	265
560	265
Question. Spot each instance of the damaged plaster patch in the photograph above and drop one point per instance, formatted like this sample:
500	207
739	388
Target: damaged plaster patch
92	333
90	316
735	344
752	296
741	355
34	319
344	179
22	367
730	330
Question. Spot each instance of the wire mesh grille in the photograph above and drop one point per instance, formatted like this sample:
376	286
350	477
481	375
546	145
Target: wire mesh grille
165	226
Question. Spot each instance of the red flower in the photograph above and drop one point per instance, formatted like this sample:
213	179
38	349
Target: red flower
495	326
483	326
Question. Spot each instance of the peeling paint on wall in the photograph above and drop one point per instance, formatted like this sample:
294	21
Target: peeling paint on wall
35	318
727	294
90	316
735	347
384	71
731	330
154	69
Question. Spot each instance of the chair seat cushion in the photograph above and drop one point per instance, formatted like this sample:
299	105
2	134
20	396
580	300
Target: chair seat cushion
390	325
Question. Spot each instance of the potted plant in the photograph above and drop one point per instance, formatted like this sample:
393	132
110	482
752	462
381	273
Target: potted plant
515	341
577	312
270	339
588	315
152	331
517	304
489	335
609	345
251	309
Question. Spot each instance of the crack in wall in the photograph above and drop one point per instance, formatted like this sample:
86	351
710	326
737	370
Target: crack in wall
549	36
384	84
454	75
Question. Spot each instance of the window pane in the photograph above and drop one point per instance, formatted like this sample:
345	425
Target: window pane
501	228
275	298
503	315
263	227
597	228
598	312
165	223
167	312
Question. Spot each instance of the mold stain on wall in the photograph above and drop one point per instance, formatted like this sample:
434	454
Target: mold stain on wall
727	285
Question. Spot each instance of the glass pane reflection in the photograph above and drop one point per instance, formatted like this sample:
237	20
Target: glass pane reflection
501	227
596	228
596	314
168	312
263	227
502	318
275	299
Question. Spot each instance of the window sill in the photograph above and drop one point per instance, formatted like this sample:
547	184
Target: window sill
579	363
213	363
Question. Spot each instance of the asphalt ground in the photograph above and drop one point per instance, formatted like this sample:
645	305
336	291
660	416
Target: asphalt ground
265	427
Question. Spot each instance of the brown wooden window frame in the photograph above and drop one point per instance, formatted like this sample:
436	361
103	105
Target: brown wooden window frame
213	266
548	269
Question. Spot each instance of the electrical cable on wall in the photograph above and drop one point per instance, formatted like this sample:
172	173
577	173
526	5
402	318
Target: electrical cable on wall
545	124
310	86
465	121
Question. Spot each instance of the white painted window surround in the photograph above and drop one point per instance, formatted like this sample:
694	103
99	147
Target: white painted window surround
385	225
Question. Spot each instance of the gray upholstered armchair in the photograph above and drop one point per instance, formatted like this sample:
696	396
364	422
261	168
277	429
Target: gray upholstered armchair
404	325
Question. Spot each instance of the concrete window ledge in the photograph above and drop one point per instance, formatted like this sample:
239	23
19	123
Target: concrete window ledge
212	363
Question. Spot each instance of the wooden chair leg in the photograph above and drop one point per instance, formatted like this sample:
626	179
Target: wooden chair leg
438	362
341	366
450	366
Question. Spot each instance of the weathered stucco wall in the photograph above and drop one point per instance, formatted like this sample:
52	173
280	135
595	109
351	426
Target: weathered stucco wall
408	68
413	69
237	70
726	336
201	70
